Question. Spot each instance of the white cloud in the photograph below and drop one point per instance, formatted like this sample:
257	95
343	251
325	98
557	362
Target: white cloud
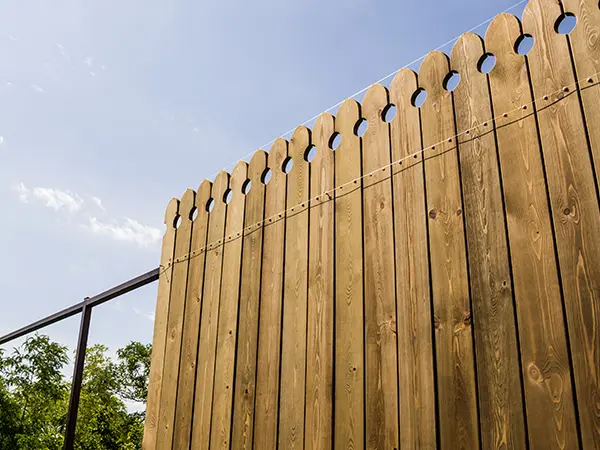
130	231
52	198
57	199
88	61
98	203
36	88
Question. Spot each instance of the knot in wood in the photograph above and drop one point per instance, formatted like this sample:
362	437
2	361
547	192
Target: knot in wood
432	214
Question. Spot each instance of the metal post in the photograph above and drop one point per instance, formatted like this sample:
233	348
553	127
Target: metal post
84	329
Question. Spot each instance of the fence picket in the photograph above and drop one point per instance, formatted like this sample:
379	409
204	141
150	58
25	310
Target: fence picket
191	323
243	415
499	380
452	310
574	205
269	332
585	47
168	398
228	311
210	315
319	364
379	279
295	290
160	328
415	331
349	430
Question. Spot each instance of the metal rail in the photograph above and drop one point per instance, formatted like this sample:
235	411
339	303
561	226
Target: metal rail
85	308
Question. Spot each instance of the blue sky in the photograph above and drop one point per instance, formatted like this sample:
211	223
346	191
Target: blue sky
110	108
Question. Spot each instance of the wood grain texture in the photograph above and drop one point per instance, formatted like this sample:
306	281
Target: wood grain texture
168	398
228	311
585	45
210	315
295	291
415	331
499	378
245	378
452	309
543	345
379	279
574	202
269	333
349	430
191	323
160	328
320	326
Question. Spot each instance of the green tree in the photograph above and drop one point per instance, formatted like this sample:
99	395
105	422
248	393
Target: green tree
34	397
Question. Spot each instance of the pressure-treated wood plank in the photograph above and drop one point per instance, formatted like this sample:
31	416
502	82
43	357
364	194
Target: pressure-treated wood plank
499	378
380	281
295	291
269	333
585	46
452	309
542	336
228	311
245	377
415	331
191	323
574	204
168	399
349	430
210	316
160	328
319	352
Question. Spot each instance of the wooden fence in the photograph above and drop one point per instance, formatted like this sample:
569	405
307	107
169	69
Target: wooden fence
431	283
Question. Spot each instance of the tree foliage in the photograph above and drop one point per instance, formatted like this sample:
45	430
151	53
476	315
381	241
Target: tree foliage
34	397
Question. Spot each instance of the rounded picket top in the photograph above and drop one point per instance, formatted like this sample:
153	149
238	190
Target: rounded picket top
171	212
277	156
239	175
257	165
220	186
347	118
433	71
203	192
323	134
187	204
374	103
466	53
502	34
299	142
403	88
539	20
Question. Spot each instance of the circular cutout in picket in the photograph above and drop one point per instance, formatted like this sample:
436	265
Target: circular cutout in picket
266	176
246	187
335	141
565	23
227	196
310	153
193	213
389	113
418	98
451	81
210	204
361	127
177	221
486	63
287	165
524	44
